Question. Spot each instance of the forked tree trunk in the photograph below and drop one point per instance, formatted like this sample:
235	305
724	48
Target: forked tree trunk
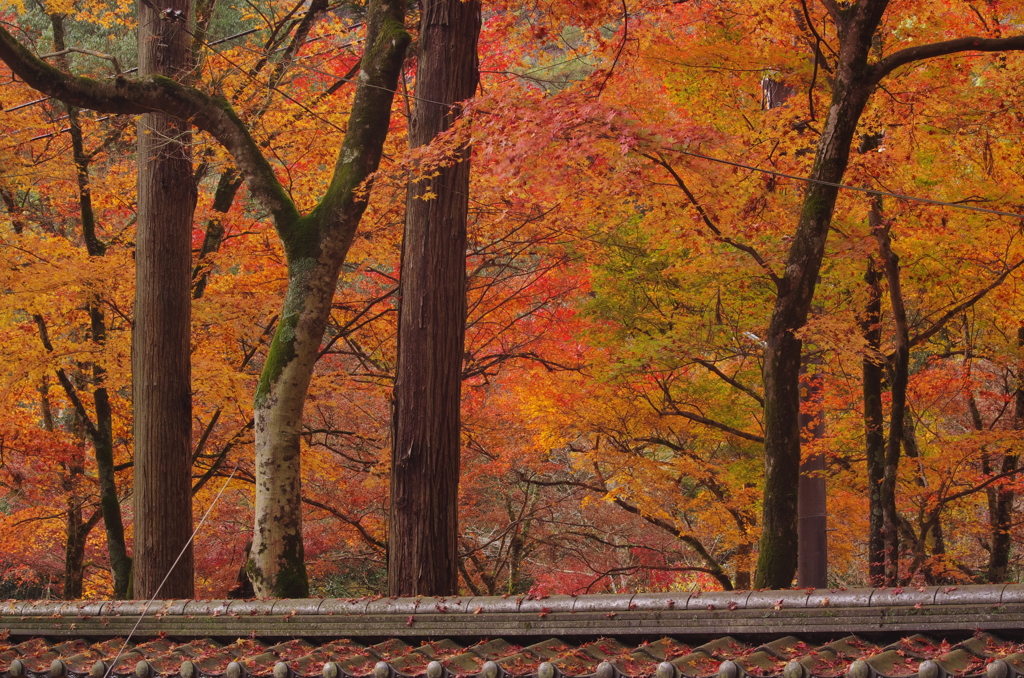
316	246
899	374
853	81
161	334
422	551
778	548
99	429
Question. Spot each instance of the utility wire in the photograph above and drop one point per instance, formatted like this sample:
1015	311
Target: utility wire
861	189
732	163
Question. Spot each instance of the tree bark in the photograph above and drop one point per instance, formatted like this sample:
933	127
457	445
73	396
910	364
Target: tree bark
1001	497
316	246
854	80
899	367
100	431
423	546
874	435
777	557
161	333
812	526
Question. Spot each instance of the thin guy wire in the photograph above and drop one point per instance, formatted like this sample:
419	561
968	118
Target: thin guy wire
142	616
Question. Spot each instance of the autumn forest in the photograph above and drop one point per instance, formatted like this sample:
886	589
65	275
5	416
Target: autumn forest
560	296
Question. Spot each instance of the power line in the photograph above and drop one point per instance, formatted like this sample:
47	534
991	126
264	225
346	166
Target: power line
860	189
731	163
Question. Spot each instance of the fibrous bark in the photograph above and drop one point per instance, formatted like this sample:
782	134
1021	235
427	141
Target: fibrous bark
422	552
161	332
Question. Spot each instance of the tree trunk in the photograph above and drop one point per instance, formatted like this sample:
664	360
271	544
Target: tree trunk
812	526
161	380
1001	505
316	246
777	557
423	546
899	376
101	430
874	435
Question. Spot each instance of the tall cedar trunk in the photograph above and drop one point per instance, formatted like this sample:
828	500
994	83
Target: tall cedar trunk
1001	505
422	551
899	376
812	525
316	246
874	434
778	548
161	383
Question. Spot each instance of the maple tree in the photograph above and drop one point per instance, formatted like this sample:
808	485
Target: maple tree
621	283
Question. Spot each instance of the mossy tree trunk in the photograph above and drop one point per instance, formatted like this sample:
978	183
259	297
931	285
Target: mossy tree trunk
423	546
777	557
316	246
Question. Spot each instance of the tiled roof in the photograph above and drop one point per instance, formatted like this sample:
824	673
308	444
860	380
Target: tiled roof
934	632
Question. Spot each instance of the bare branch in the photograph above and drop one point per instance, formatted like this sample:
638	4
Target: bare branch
747	249
99	55
694	417
961	307
158	94
729	380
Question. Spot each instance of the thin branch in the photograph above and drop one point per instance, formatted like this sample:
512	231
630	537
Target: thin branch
660	160
99	55
961	307
729	380
694	417
834	11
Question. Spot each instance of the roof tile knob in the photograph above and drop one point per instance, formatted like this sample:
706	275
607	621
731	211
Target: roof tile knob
57	668
795	669
331	670
382	670
859	669
929	669
234	670
435	670
188	670
143	669
282	670
666	670
99	669
605	670
998	669
547	670
489	670
729	669
17	668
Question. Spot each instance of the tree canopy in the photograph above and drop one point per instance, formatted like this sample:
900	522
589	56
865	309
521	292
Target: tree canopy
680	215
